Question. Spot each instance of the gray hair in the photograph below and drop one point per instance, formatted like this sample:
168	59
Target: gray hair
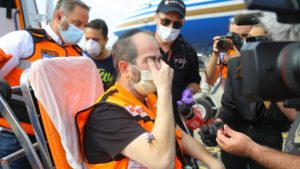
67	6
279	31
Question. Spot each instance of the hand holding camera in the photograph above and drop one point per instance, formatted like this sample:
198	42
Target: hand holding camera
208	133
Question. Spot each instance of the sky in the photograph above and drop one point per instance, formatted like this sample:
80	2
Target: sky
112	11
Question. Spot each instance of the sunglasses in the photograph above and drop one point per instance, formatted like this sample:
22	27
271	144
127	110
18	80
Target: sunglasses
167	22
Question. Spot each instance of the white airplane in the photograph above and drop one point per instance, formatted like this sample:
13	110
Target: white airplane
204	20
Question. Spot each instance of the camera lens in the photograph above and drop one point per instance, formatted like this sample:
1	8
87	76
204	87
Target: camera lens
224	45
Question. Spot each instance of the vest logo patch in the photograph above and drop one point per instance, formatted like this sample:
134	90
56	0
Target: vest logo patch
48	54
136	111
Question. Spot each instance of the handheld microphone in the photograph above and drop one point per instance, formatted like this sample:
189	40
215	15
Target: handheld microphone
247	19
192	115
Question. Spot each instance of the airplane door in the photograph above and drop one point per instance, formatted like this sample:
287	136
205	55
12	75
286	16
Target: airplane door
7	11
18	14
28	14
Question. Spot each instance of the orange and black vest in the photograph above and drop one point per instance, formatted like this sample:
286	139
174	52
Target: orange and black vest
44	47
117	95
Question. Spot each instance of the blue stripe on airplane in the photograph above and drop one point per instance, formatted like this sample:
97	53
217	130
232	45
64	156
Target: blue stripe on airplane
187	5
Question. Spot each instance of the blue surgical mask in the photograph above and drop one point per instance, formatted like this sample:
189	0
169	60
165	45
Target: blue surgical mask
72	35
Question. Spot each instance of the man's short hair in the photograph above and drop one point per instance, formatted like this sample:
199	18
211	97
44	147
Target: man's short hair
98	24
68	6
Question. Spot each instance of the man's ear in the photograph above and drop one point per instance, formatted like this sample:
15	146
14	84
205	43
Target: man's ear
123	68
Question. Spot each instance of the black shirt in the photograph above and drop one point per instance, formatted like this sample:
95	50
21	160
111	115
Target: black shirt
237	110
185	63
109	129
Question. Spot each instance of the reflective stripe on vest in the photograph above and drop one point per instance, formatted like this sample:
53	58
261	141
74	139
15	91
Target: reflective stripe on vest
24	64
117	95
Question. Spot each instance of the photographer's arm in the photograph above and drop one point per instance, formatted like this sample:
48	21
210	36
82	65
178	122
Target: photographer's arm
195	149
240	144
211	71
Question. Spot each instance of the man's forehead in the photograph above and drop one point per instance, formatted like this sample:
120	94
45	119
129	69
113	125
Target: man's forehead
245	29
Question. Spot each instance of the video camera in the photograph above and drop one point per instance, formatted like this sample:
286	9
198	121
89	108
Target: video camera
271	70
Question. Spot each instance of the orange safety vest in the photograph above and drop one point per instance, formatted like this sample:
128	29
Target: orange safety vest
117	95
44	46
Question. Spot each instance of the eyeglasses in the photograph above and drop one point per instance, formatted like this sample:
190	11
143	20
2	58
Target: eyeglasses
167	22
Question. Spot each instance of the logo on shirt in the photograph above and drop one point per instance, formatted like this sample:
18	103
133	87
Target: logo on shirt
48	54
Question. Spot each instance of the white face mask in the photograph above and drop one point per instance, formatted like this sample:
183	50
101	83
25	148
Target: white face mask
167	34
146	85
93	48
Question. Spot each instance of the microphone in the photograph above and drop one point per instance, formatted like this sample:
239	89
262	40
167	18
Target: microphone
192	115
247	19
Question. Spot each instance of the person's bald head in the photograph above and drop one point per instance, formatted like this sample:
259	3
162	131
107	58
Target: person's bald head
135	49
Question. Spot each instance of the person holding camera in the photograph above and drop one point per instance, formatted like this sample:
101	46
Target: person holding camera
240	144
229	48
262	121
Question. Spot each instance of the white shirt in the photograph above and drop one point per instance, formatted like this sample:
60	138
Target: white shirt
20	45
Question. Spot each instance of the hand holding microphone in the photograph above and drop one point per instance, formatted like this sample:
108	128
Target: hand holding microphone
208	133
187	97
193	116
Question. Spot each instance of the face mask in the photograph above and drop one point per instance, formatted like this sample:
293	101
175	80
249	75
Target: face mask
145	86
93	47
167	34
72	35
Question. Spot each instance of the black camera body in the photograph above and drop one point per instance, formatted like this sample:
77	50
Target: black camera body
287	10
258	38
262	71
271	70
227	41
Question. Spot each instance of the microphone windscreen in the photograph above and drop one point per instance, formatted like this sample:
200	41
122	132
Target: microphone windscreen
247	19
184	110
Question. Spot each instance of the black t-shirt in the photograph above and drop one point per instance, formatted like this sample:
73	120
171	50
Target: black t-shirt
109	129
106	70
185	63
237	110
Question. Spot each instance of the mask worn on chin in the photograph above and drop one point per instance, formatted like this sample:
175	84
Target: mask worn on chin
72	35
145	86
93	48
167	34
